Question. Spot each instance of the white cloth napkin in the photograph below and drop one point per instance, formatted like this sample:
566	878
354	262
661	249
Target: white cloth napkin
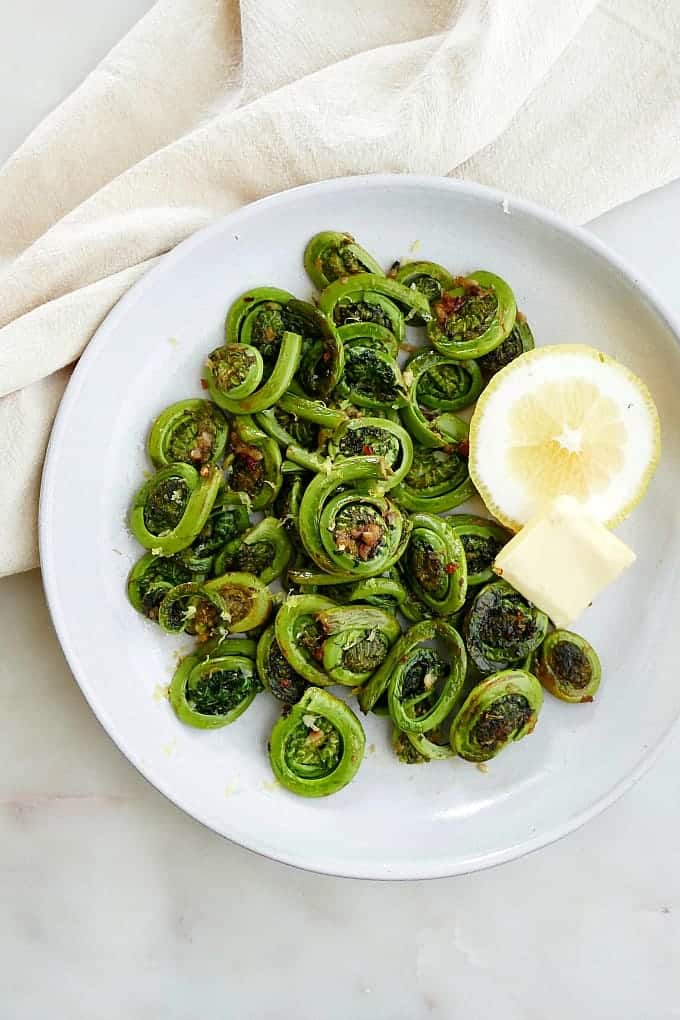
208	104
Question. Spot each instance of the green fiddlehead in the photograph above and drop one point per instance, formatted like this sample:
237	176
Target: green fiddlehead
437	481
151	578
213	691
298	421
424	684
275	672
567	666
231	372
262	316
331	255
323	355
428	278
316	749
265	550
248	600
260	397
520	340
227	520
432	428
171	508
367	297
189	432
371	377
287	429
254	463
347	531
435	564
316	411
482	540
502	628
415	674
259	318
196	609
497	711
384	592
472	318
440	384
374	437
300	637
356	641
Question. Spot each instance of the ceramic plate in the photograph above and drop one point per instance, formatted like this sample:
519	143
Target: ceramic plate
393	821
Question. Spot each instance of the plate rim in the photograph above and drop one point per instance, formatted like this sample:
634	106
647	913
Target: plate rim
362	867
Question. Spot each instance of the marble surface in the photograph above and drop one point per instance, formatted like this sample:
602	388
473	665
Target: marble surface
113	904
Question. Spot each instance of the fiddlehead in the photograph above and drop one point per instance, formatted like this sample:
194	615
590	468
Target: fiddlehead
189	432
323	354
227	520
262	316
356	641
370	298
497	711
213	691
300	636
259	318
231	372
482	540
196	609
433	428
374	437
441	385
386	593
520	340
254	463
435	564
437	481
502	628
171	508
331	255
371	377
349	532
248	600
428	278
415	674
567	666
316	749
424	683
151	578
229	365
275	672
472	318
287	429
265	550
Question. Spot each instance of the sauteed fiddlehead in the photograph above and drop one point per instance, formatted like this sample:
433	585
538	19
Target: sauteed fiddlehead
325	458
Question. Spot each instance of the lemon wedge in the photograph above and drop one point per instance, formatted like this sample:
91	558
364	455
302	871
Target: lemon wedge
564	420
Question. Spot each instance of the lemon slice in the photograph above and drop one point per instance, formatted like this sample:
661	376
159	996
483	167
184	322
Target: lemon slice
563	421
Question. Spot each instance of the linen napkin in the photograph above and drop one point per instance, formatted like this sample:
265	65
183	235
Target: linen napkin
209	104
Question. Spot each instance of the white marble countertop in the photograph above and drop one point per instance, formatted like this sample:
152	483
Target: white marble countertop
114	905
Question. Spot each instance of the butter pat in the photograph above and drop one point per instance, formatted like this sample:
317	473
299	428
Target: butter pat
561	560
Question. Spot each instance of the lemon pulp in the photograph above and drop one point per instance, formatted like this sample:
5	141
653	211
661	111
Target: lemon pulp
563	420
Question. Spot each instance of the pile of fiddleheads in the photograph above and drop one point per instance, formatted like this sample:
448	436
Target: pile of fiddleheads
322	460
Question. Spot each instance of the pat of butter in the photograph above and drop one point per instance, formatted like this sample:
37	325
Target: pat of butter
562	559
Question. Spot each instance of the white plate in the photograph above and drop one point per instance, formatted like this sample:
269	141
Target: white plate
393	821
